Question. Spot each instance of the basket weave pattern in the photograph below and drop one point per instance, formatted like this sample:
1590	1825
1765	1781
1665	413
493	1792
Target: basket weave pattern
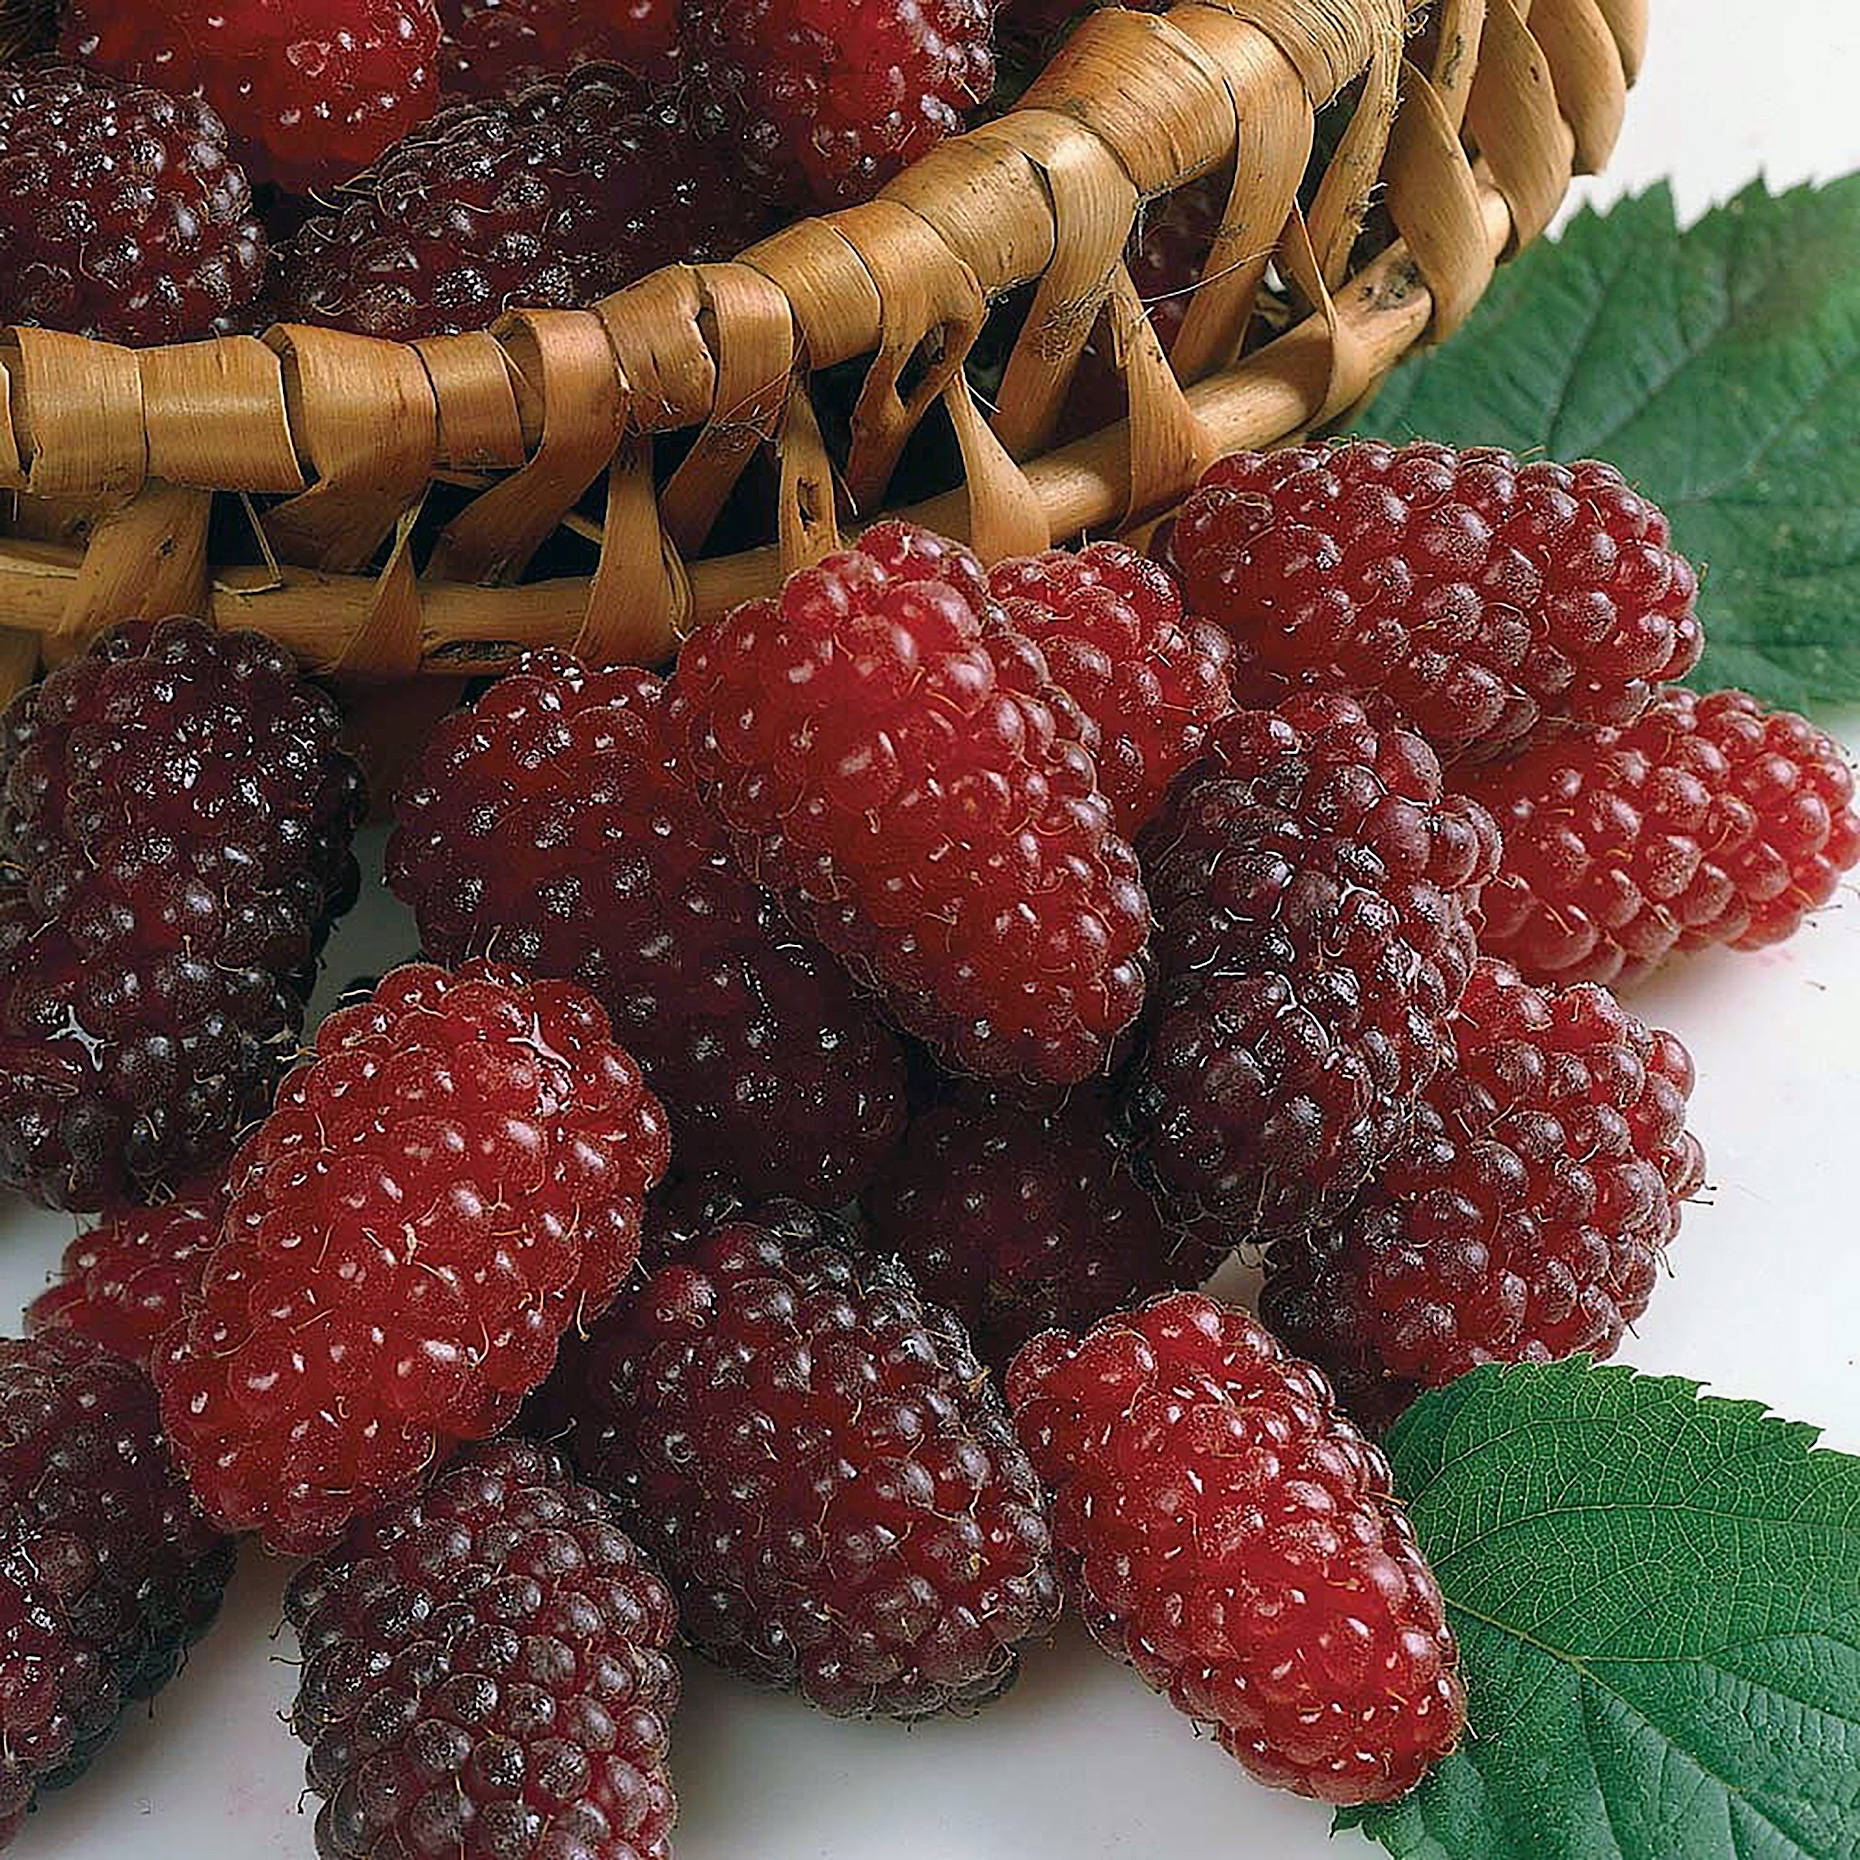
1464	138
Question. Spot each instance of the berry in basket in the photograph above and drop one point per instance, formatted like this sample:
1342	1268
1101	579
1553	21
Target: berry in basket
493	47
175	825
455	1177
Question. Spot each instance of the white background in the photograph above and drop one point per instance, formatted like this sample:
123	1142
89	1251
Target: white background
1080	1763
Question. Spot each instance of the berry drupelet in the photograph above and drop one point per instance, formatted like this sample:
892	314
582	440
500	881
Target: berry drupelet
822	1468
122	215
312	90
107	1573
1525	1219
455	1177
1711	821
486	1672
176	814
1110	625
1225	1530
548	199
1311	888
491	48
552	827
126	1282
1464	595
895	762
1021	1221
834	97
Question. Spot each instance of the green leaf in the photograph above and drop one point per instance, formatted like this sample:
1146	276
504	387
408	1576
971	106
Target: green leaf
1657	1596
1720	369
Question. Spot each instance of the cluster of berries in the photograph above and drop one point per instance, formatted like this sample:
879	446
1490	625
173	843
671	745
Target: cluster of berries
774	1211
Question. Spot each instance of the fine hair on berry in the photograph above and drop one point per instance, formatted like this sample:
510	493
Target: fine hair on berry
454	1177
1466	595
1525	1219
1224	1529
1312	890
487	1671
491	48
176	817
552	827
822	1468
1712	821
896	763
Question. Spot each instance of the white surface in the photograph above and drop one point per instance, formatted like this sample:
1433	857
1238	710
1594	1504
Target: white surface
1080	1763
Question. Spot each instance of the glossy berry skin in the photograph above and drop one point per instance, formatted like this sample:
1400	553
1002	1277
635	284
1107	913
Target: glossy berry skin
837	96
122	215
486	1671
822	1469
1312	889
895	762
549	199
455	1177
1225	1530
1713	820
176	815
1465	595
1526	1218
107	1573
125	1283
1109	623
312	90
1021	1221
491	48
552	826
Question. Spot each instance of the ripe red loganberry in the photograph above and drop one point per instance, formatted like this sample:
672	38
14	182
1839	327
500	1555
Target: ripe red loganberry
313	90
1311	888
1527	1216
894	761
110	1573
486	1672
122	217
1463	594
176	814
493	47
836	96
1231	1535
125	1282
1110	625
551	826
1712	820
1022	1221
549	199
824	1471
455	1176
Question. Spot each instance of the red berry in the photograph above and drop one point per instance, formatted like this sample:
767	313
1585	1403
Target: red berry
837	96
1020	1221
1110	625
895	762
1311	888
1462	594
110	1573
552	827
122	216
486	1673
1710	821
550	199
313	90
125	1282
1525	1219
1229	1533
176	815
454	1177
823	1469
494	47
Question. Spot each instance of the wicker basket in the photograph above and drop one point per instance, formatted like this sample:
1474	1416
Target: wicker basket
279	483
